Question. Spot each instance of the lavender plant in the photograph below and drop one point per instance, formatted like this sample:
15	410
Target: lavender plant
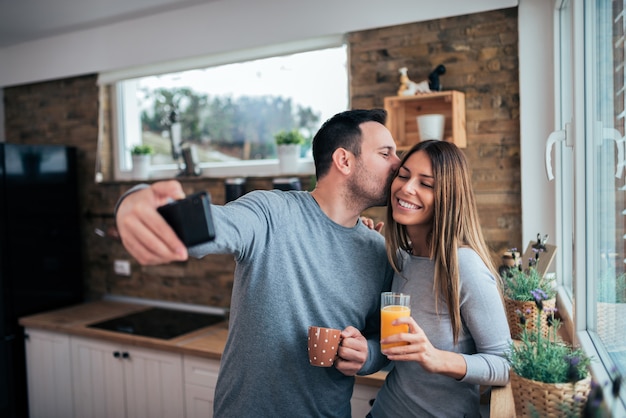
518	284
547	359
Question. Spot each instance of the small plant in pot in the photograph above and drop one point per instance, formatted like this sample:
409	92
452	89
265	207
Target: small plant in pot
518	284
141	160
548	376
288	147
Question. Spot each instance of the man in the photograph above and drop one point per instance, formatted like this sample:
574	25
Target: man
303	258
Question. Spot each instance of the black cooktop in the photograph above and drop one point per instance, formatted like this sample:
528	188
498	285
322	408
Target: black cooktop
160	323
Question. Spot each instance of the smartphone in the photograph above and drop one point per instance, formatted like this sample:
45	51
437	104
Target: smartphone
190	218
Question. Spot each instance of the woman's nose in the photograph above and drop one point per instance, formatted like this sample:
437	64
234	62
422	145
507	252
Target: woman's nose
409	187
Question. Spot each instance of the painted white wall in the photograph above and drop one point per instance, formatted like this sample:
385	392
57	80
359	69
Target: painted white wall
214	28
536	78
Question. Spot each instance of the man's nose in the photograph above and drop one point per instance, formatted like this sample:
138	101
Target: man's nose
396	161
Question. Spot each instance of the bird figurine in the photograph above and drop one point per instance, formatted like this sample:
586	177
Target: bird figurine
409	87
433	78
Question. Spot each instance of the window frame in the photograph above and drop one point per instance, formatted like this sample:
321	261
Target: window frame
574	72
121	160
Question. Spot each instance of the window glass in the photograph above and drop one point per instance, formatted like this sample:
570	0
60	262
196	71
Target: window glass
229	114
591	182
607	184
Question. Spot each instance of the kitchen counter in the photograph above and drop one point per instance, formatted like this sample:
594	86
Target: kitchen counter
206	342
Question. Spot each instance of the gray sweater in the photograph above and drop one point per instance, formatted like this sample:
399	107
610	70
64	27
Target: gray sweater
295	268
410	391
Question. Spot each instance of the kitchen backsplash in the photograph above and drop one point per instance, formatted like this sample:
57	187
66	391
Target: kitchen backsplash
207	281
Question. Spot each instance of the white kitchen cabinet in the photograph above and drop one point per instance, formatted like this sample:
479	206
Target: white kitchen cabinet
200	376
200	381
49	374
362	396
116	381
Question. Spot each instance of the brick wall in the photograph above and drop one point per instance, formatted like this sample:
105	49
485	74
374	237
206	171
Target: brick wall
479	52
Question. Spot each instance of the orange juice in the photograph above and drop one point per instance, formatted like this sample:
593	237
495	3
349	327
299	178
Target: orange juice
387	315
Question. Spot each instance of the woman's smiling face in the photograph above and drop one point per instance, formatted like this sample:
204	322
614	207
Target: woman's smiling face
412	192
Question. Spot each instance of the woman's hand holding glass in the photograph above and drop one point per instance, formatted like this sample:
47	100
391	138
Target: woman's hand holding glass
419	348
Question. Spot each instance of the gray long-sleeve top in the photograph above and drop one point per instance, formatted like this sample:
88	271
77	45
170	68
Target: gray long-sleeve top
295	268
409	390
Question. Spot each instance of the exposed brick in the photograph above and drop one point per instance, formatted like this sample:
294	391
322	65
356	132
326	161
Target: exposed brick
480	54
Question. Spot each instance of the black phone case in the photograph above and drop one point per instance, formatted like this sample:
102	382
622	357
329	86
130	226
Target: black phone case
190	218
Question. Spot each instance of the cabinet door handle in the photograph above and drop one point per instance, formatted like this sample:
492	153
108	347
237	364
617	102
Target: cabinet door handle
125	355
116	354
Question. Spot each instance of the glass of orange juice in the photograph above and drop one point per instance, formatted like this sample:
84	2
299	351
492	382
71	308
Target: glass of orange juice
392	306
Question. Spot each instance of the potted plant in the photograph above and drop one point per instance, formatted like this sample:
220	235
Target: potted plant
548	377
141	160
288	145
518	284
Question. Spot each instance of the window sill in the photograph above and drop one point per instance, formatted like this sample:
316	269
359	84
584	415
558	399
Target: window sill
269	168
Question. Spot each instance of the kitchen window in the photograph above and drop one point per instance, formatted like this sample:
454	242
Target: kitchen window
591	182
227	114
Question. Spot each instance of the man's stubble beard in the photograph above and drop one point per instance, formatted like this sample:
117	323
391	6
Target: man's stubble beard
363	193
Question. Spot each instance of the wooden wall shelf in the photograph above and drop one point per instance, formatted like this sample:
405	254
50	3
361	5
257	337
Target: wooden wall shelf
403	110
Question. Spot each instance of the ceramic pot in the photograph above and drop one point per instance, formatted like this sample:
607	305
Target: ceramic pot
431	126
141	166
288	158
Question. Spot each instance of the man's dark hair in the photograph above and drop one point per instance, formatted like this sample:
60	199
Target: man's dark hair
342	131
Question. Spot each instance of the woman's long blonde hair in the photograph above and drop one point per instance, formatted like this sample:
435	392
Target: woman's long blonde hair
455	225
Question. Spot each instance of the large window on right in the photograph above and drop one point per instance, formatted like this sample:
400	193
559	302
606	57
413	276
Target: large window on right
591	179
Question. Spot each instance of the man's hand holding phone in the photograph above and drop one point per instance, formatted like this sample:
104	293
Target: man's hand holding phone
145	233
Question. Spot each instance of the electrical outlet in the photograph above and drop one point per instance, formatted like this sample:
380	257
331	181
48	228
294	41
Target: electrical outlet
122	267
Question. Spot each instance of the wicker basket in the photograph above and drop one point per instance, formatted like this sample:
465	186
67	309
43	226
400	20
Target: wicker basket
545	400
512	316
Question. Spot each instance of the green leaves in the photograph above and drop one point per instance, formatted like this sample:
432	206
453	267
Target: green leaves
519	284
546	359
142	150
289	137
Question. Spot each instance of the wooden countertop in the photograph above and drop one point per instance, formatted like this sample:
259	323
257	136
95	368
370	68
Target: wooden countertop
206	342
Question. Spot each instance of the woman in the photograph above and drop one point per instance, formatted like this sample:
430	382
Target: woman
458	332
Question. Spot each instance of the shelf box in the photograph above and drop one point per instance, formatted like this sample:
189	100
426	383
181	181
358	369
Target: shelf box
402	112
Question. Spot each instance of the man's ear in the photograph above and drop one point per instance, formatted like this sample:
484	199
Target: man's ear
343	160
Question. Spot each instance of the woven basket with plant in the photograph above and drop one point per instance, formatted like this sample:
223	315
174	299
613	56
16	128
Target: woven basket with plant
549	378
521	310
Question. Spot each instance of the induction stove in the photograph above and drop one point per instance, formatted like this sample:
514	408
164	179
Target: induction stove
160	323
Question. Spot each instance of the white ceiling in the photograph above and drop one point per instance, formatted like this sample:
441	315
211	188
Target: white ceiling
51	39
29	20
